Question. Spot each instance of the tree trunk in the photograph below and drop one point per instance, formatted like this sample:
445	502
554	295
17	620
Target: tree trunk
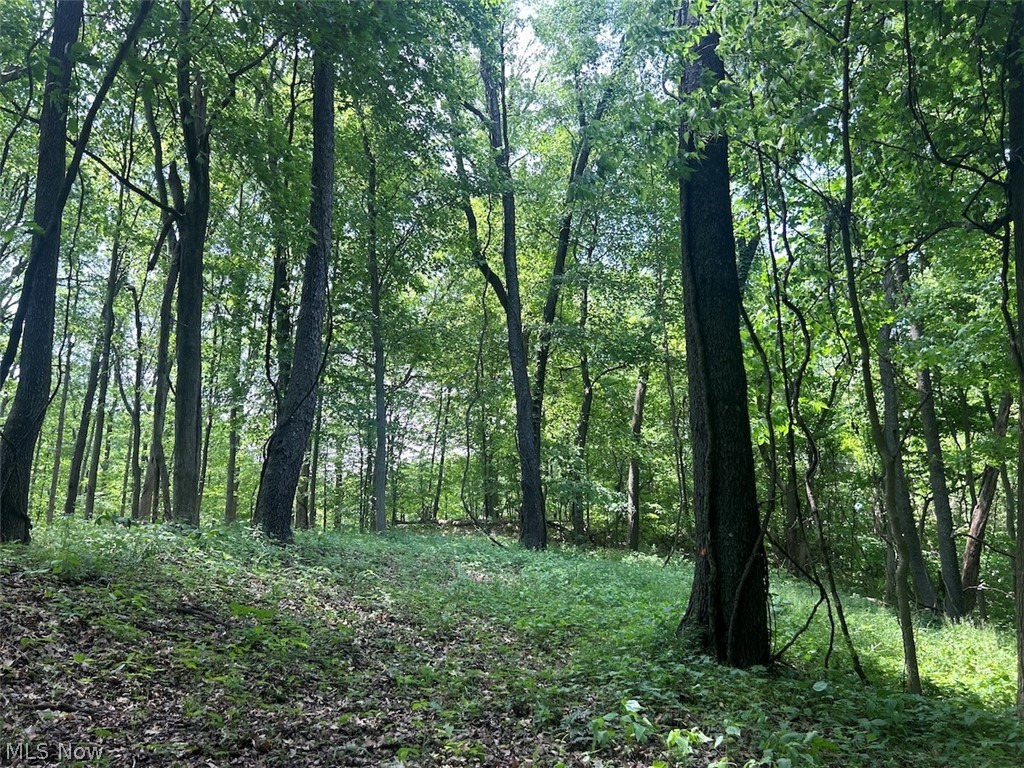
380	401
728	609
878	434
33	325
192	225
1015	188
58	451
633	481
443	440
288	442
532	522
38	294
577	170
971	572
231	502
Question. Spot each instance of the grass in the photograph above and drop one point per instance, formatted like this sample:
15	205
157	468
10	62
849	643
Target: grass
214	648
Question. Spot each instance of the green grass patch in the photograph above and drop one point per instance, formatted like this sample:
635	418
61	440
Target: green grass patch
416	649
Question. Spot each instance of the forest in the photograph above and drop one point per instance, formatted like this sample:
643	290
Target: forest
512	382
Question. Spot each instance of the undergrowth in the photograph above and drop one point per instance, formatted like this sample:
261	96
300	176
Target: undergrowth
190	648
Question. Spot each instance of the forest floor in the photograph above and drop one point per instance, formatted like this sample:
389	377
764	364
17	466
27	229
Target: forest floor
149	647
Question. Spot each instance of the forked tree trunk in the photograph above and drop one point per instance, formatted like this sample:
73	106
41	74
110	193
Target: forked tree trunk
291	433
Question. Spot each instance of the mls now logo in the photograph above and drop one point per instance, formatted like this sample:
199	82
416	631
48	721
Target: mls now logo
43	752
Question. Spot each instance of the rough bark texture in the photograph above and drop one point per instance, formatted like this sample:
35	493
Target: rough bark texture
288	442
192	225
728	609
1015	93
21	430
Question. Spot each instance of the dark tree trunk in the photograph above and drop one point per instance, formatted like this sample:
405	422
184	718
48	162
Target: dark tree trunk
565	230
113	288
900	491
156	478
633	481
192	223
532	522
728	609
1015	188
288	442
136	411
38	295
949	561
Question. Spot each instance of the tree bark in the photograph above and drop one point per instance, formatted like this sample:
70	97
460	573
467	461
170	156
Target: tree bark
288	442
728	609
1015	188
192	221
532	521
21	429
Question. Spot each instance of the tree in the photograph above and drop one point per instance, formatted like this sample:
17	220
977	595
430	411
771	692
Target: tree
291	433
33	325
728	610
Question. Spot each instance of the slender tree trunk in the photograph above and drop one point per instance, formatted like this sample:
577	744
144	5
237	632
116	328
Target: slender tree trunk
728	609
633	481
380	402
287	443
231	503
577	171
878	434
136	411
532	522
971	572
314	460
59	447
443	439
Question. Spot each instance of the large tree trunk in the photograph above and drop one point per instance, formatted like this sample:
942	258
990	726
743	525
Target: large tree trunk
287	443
1015	97
192	225
35	314
38	295
728	608
633	480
